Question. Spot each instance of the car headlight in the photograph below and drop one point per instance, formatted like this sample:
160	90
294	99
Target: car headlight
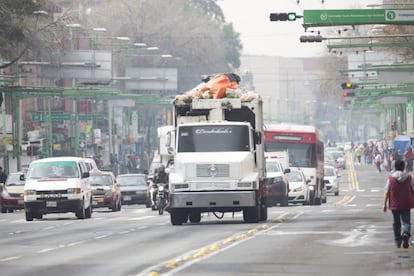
5	194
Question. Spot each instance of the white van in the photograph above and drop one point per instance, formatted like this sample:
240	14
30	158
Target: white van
57	185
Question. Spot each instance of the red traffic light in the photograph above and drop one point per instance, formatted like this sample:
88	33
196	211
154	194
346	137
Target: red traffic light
348	94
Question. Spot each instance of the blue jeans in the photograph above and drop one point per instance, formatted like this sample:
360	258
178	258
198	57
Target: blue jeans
403	216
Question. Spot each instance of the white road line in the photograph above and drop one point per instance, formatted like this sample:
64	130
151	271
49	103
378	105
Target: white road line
141	218
75	243
103	236
46	250
10	258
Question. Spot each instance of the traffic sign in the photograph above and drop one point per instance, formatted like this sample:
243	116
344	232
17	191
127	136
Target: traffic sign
66	117
328	18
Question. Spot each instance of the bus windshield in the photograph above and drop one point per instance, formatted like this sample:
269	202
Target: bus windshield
217	138
300	155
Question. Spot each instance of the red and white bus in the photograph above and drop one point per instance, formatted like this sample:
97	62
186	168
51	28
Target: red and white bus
305	146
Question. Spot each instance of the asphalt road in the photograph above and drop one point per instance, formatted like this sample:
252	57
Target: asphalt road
350	235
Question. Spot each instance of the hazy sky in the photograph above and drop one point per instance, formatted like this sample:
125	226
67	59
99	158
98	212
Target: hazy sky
260	36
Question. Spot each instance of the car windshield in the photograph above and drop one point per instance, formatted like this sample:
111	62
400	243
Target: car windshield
132	181
273	167
62	169
295	176
14	180
100	180
329	172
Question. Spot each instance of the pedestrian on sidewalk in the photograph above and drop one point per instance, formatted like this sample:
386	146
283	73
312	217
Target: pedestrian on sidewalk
399	197
378	161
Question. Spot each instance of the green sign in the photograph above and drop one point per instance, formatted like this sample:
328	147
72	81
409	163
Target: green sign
327	18
65	117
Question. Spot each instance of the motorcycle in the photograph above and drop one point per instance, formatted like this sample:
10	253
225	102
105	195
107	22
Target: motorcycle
162	197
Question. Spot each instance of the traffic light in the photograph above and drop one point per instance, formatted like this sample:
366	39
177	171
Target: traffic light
349	85
285	16
348	94
393	126
310	38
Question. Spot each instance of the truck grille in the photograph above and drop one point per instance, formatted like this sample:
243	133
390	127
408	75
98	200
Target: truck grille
213	170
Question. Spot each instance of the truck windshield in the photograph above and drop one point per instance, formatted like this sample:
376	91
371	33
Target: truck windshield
208	138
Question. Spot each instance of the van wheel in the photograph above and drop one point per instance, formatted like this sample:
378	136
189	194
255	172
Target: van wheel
80	214
88	212
29	216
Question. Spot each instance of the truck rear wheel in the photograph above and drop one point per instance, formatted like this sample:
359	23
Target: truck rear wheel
263	212
29	216
195	217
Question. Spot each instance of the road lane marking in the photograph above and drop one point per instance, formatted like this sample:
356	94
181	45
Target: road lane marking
141	218
46	250
187	259
10	258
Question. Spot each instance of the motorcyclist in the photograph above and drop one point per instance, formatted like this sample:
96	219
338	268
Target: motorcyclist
161	176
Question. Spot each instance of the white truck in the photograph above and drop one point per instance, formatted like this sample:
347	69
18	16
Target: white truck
219	163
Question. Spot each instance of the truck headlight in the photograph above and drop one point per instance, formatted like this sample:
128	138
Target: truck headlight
29	192
245	184
180	186
74	190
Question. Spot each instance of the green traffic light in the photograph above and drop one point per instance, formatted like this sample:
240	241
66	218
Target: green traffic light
292	16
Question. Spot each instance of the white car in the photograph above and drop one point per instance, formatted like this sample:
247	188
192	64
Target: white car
298	187
331	179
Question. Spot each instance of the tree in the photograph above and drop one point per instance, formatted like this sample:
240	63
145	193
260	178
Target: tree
189	29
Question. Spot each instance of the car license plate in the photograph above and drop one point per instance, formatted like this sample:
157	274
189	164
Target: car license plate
51	204
20	201
127	198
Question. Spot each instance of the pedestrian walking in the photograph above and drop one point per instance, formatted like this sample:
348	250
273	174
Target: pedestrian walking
378	161
408	156
358	153
399	198
3	176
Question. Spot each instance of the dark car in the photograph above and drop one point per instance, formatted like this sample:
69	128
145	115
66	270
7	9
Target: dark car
11	196
277	183
105	190
134	188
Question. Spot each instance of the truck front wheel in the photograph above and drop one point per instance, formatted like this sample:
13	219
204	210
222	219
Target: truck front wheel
251	214
178	217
